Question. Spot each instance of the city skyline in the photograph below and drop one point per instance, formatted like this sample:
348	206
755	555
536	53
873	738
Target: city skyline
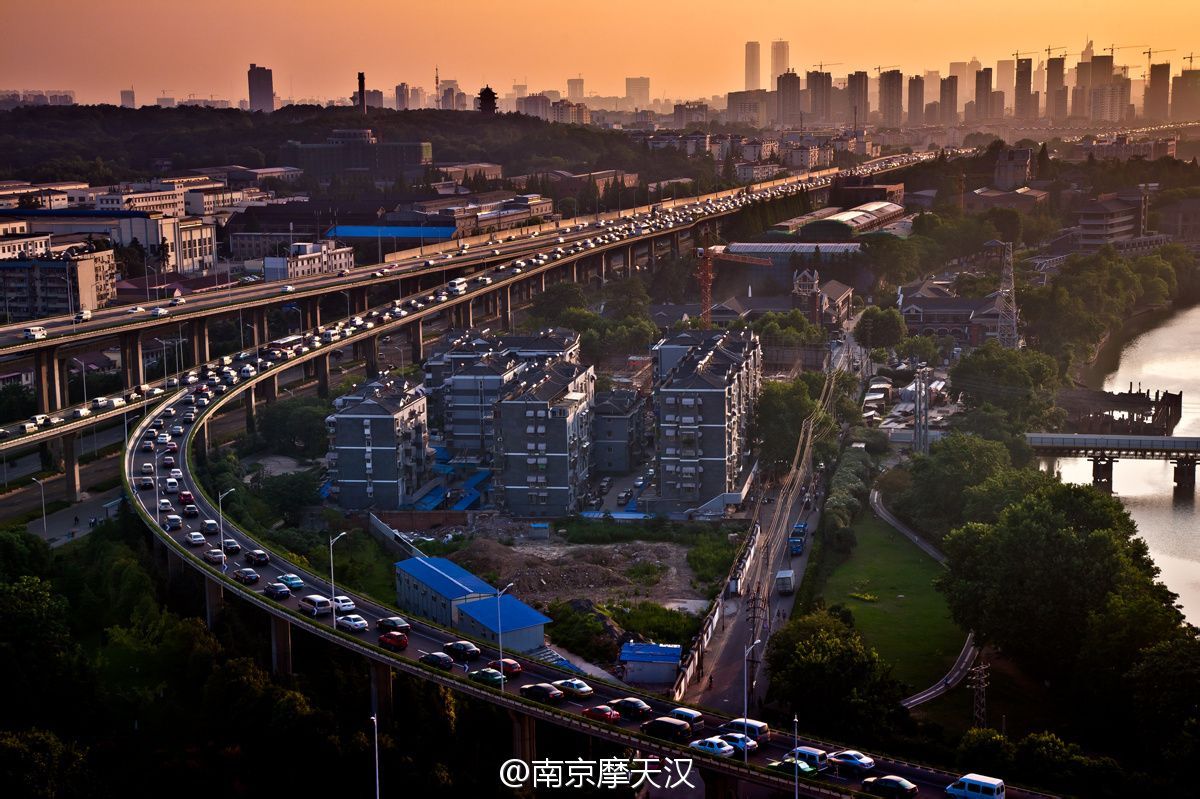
693	63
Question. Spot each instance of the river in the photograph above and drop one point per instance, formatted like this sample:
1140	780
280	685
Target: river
1165	356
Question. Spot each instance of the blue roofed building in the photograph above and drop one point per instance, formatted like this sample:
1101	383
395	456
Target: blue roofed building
650	664
522	626
435	588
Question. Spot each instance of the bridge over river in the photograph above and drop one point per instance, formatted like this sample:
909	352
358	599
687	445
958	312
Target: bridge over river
1104	450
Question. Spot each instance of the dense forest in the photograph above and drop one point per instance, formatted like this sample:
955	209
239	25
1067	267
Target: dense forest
104	143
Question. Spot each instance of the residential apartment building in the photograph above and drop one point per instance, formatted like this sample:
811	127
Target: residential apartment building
305	259
379	455
21	244
566	112
704	406
543	440
57	284
618	431
207	201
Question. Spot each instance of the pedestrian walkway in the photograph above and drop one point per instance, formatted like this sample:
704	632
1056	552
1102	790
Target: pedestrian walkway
76	521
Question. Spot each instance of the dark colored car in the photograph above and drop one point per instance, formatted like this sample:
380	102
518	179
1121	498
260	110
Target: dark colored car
667	728
489	677
394	623
631	707
542	692
461	650
277	591
246	576
602	713
439	660
395	641
231	547
256	557
191	511
890	786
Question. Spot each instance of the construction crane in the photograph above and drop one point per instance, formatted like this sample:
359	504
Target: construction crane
820	65
879	70
1025	52
1150	55
1053	48
1188	58
1113	48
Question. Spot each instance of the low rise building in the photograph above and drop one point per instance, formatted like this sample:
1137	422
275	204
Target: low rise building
168	201
543	440
379	455
207	201
1113	218
56	284
305	259
970	320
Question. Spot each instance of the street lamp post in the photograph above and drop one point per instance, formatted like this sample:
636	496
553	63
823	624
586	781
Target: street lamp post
42	486
795	761
375	725
164	357
746	690
83	380
332	591
500	632
221	516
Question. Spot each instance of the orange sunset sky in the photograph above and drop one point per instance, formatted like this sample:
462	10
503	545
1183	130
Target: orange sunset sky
689	49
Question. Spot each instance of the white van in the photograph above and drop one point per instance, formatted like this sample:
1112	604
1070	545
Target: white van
248	371
457	286
817	758
760	731
315	604
172	486
34	333
209	527
976	785
83	316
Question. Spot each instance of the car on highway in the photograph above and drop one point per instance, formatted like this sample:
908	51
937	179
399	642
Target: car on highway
146	483
165	506
160	312
246	576
395	623
713	746
176	474
344	604
168	461
231	547
277	591
194	540
489	677
631	707
603	713
191	511
439	660
574	688
510	667
215	557
177	301
352	623
740	742
667	728
542	692
256	557
136	309
186	497
394	641
853	760
792	765
292	581
287	289
890	786
461	650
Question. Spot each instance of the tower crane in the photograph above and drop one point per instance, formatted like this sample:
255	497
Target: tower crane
1190	57
820	65
1150	55
1055	48
1017	55
879	70
1113	48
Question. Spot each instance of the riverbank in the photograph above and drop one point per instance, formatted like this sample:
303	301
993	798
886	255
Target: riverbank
1106	356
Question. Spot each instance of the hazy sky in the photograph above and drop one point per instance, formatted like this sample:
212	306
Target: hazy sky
689	48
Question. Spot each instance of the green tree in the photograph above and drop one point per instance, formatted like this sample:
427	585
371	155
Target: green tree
550	304
1164	692
936	499
1021	382
922	349
37	764
21	554
985	751
880	327
778	418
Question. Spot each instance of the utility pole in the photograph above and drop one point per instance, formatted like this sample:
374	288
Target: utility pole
977	678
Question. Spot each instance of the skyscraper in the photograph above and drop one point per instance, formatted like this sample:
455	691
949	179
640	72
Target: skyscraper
787	91
856	97
402	95
575	90
1056	89
891	98
1185	96
1023	105
781	60
262	89
820	95
1102	70
1157	96
1081	97
983	94
637	91
127	100
916	100
948	100
753	67
1006	80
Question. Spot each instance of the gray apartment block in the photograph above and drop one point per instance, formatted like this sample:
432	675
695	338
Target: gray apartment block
618	431
468	374
543	440
379	455
703	414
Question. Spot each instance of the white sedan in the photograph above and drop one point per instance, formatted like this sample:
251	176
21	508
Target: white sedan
713	746
852	759
344	604
352	623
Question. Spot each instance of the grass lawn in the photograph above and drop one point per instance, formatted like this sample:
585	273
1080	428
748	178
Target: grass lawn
907	620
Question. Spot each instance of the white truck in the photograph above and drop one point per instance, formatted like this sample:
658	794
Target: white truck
785	582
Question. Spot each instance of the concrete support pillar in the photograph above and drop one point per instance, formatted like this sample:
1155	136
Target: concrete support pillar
214	599
198	333
381	690
1185	474
251	412
370	354
541	278
281	645
311	311
200	439
505	302
64	381
574	267
360	301
1102	471
46	380
524	736
466	316
133	362
416	337
270	388
70	468
262	333
718	785
322	362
